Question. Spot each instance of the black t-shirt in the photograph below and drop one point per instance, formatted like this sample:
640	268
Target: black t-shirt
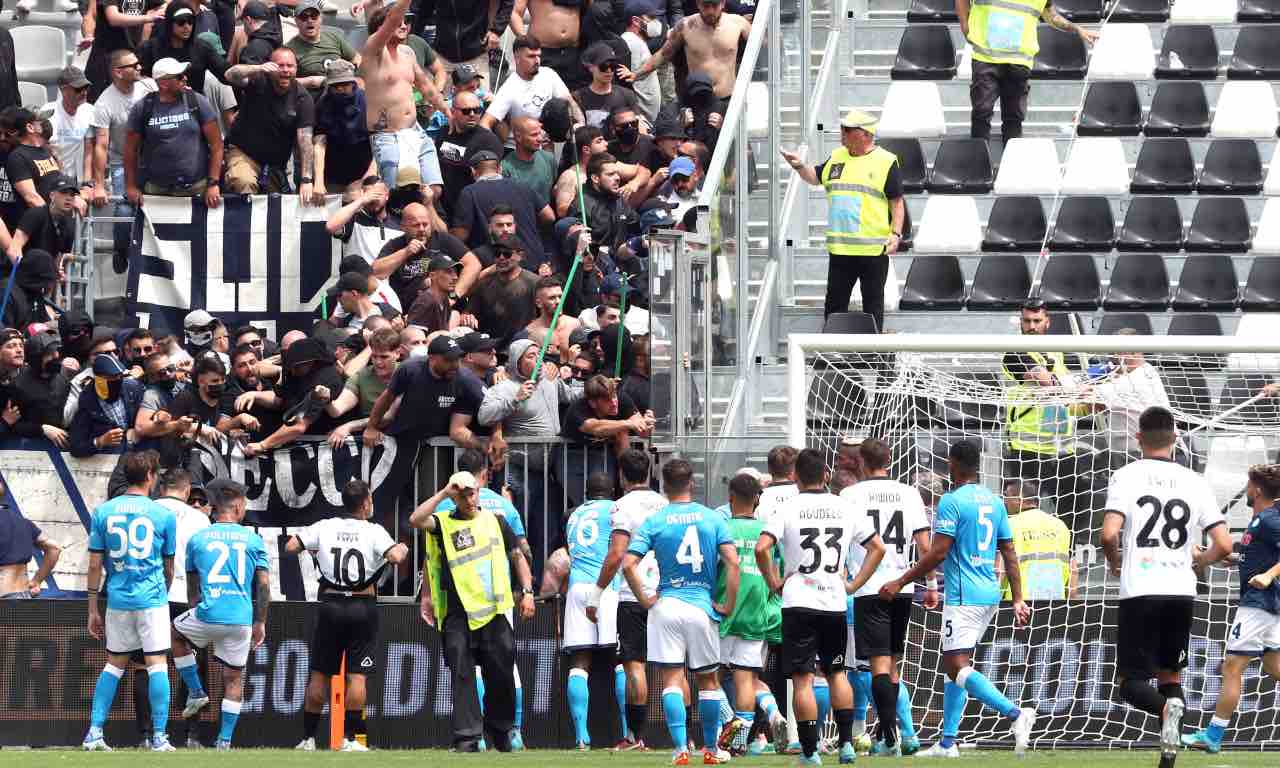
268	420
294	391
452	149
479	198
28	163
10	208
188	403
892	182
596	106
266	125
427	401
503	307
454	606
580	411
637	388
408	279
645	153
47	231
18	537
470	393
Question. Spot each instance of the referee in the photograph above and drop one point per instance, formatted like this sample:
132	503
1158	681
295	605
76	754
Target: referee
865	212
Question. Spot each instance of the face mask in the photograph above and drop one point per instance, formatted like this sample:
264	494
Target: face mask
653	28
200	338
51	367
214	390
628	135
420	351
107	389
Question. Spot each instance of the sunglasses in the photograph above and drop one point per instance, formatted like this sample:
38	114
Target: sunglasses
133	65
170	368
185	21
198	501
471	110
308	16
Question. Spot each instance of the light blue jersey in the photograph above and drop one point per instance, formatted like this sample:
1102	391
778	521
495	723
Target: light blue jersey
725	511
587	533
492	501
685	538
134	535
976	521
224	556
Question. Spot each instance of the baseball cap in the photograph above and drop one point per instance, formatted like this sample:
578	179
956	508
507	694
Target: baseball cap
464	480
168	67
612	285
106	365
856	118
444	345
307	5
440	261
465	73
599	53
353	281
9	334
58	182
667	127
477	342
579	337
213	41
255	9
475	157
753	473
656	217
354	262
338	71
640	8
681	166
308	350
181	10
73	76
197	319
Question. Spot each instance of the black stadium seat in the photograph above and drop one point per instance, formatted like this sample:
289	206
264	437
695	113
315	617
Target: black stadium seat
1080	11
1164	166
1062	55
1138	281
1084	224
1016	223
962	167
1188	392
1151	224
1070	281
850	322
933	282
911	166
1262	286
932	12
1219	225
1113	322
1256	55
1140	11
1196	51
1258	11
1002	282
1111	109
1241	387
1231	167
1207	284
925	53
1192	324
1178	109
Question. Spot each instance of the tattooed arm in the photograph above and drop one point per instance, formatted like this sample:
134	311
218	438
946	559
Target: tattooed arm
241	74
1059	22
303	154
667	53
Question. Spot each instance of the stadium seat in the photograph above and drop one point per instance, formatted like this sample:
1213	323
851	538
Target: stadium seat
1114	322
974	415
1123	51
1002	282
933	282
33	95
1096	166
1245	110
1062	55
1066	324
1272	185
961	167
949	225
1219	225
1231	167
925	53
1151	224
1080	11
1193	324
1016	223
1189	52
1083	224
1164	166
1029	167
1267	237
1207	284
1140	11
1258	11
1241	387
1178	109
40	51
1188	392
1262	287
932	12
1138	281
1202	12
850	322
1070	281
912	110
911	166
1111	109
1256	55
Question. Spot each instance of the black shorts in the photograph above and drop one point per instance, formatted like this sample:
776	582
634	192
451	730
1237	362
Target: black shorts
879	627
567	63
345	164
1152	634
809	634
633	636
346	625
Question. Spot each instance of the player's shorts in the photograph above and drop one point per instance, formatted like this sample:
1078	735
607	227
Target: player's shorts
740	653
963	626
633	632
807	634
881	627
346	625
1152	634
581	633
1253	633
145	630
679	633
230	642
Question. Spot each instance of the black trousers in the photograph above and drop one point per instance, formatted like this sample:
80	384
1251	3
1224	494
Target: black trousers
493	648
869	272
1073	482
1008	82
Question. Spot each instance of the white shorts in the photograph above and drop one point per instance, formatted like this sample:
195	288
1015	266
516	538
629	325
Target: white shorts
580	633
145	630
1253	633
740	653
964	625
230	641
679	633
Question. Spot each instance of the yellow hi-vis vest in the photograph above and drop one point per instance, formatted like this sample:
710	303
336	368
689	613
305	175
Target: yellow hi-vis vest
477	561
858	219
1044	429
1004	31
1043	544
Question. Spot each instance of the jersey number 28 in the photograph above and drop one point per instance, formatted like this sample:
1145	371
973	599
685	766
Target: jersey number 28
1177	516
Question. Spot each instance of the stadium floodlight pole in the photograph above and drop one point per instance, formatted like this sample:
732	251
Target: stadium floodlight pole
573	268
622	321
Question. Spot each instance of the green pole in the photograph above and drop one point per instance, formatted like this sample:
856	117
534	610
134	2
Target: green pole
622	323
573	268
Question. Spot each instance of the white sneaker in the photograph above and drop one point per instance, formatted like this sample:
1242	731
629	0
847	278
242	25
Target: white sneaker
779	728
937	750
1022	730
93	741
1171	726
194	743
160	743
194	705
307	745
350	745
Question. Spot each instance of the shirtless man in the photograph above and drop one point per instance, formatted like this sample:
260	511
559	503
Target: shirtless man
590	141
17	553
391	73
545	300
556	27
710	41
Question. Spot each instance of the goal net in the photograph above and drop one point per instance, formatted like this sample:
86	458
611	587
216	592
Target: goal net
923	393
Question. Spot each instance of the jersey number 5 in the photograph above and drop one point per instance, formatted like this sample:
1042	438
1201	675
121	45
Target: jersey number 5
809	541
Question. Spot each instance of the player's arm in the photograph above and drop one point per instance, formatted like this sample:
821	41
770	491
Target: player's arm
1264	579
293	546
261	601
396	554
675	41
92	584
520	565
618	542
729	560
1021	613
168	571
1112	523
50	553
193	588
939	546
875	553
764	561
921	540
1219	546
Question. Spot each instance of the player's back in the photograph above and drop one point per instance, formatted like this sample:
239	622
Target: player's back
685	538
629	513
815	530
772	498
350	553
976	520
134	535
755	608
225	555
587	537
896	512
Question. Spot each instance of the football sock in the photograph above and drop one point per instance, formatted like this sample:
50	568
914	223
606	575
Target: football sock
822	695
808	730
905	724
844	725
190	674
310	724
578	695
620	696
886	696
749	718
480	689
724	712
673	710
861	682
351	724
709	713
953	700
103	694
985	691
769	705
519	698
1217	727
230	714
637	714
158	694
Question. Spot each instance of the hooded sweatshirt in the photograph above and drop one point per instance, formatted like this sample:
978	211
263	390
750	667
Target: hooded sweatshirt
539	416
26	299
39	397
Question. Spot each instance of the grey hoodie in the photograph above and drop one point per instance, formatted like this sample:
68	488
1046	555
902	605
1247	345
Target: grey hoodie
539	415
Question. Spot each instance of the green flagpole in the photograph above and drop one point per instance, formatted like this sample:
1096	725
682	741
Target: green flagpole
622	322
573	268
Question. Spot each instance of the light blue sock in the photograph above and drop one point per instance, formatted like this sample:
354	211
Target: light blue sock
953	700
861	682
730	698
579	695
519	707
709	714
620	695
230	714
905	726
766	702
725	712
822	694
158	690
190	674
480	689
749	718
673	710
984	691
103	694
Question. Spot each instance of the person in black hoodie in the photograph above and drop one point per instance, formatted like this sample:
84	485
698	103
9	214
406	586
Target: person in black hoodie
608	214
177	40
262	28
41	390
33	282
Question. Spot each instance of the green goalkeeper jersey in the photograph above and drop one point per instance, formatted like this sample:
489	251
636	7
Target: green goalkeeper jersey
757	614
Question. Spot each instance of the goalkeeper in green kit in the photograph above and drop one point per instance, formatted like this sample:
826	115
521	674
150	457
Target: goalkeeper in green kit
756	623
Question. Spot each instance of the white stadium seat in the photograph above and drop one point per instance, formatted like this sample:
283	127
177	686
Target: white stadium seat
1272	185
1246	109
912	109
949	225
1203	12
1029	167
41	52
1267	238
1096	166
1123	52
34	95
758	110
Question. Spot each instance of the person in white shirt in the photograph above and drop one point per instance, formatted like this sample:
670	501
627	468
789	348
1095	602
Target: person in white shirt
642	17
72	125
1132	387
1161	510
529	91
782	480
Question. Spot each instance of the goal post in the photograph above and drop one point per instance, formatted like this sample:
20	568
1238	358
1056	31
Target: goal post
922	393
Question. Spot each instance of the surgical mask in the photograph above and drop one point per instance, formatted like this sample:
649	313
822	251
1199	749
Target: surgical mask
653	28
107	389
419	351
214	390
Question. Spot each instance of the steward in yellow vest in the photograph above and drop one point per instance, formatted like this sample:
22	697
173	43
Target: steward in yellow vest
1043	544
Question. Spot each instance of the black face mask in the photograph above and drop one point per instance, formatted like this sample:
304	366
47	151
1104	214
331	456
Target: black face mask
627	134
51	368
113	389
214	391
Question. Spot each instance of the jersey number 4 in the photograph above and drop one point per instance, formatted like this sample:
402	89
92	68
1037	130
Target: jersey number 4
1176	515
690	550
892	532
809	541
